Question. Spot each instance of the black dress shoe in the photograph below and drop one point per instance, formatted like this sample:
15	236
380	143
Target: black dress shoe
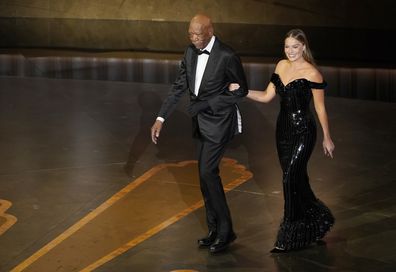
278	250
208	240
221	244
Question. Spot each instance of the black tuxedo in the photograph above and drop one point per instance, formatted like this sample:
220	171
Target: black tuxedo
214	126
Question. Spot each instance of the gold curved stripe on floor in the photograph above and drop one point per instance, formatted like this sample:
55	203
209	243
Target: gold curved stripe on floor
6	220
160	197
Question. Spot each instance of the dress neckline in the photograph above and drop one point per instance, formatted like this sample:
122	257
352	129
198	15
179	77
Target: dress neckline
285	85
311	84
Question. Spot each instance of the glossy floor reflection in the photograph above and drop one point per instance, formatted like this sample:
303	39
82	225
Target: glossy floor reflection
70	145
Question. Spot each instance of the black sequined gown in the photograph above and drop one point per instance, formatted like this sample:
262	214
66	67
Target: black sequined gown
306	219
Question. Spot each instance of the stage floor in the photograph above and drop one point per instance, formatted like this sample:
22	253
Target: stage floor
82	188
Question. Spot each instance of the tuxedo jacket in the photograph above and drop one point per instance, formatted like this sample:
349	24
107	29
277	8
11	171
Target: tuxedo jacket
218	123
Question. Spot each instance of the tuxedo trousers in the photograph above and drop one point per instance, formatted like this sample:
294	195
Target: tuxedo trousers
217	212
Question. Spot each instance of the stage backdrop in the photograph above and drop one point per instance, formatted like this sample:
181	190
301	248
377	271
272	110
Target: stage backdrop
345	30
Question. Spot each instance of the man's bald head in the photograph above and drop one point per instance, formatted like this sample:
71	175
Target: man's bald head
200	30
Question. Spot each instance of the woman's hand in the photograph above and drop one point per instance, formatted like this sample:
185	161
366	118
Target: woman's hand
233	87
328	147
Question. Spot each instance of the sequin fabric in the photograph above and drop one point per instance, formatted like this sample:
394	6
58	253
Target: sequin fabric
306	219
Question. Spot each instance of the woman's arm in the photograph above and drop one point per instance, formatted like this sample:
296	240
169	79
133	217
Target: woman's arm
328	145
260	96
263	96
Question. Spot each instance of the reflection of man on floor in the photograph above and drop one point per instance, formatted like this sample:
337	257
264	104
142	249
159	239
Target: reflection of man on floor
207	68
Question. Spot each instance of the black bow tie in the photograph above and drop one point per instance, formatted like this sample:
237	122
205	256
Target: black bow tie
199	52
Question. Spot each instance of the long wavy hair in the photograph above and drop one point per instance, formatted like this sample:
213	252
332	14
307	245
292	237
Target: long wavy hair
300	36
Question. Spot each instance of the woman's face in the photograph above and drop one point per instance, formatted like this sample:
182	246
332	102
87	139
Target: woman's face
293	49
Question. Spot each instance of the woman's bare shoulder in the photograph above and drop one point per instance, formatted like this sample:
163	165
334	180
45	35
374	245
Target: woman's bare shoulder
313	74
280	66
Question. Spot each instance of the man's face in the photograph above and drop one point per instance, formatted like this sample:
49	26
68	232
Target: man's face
199	35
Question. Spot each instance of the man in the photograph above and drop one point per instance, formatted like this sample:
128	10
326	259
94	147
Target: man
206	70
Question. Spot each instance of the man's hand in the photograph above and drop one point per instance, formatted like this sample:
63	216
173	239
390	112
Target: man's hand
155	131
196	107
233	87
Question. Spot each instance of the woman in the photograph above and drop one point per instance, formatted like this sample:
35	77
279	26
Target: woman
296	80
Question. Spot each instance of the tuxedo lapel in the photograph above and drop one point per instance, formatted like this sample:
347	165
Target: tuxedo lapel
210	65
193	69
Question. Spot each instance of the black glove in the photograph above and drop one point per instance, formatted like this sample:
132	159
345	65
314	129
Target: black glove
196	107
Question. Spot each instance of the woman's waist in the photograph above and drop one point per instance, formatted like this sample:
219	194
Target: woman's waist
296	113
296	119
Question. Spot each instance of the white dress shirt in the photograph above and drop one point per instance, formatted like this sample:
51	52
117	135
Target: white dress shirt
201	65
